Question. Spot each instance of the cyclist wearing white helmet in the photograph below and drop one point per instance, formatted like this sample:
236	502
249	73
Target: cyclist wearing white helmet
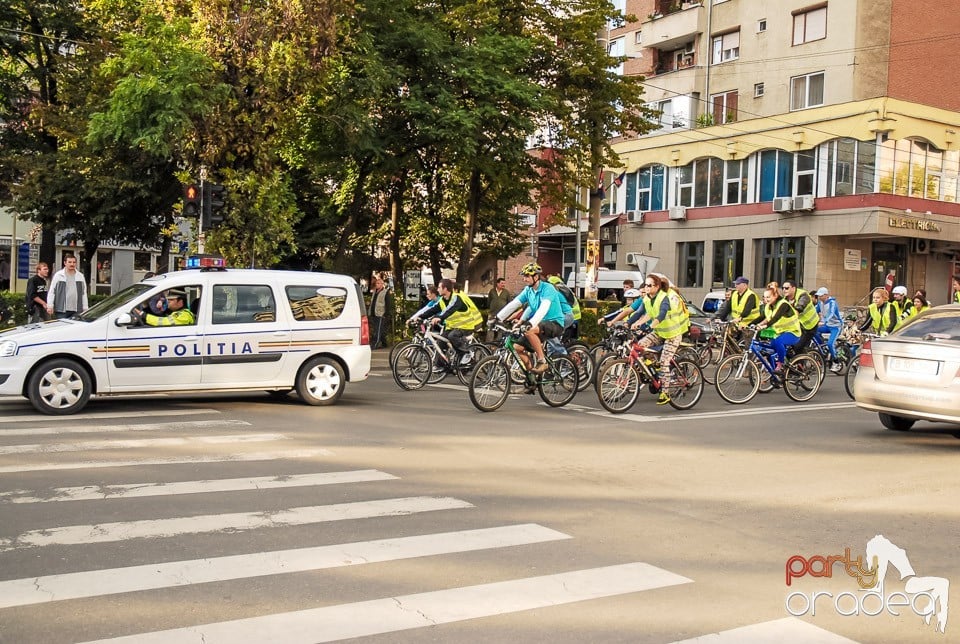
632	297
543	310
901	303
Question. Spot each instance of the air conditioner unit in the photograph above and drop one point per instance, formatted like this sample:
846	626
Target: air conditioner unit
635	216
783	204
678	213
804	203
634	259
920	246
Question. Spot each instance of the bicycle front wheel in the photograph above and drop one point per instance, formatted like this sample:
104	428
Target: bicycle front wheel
802	377
558	385
737	379
489	384
852	368
396	349
618	386
581	357
686	384
412	367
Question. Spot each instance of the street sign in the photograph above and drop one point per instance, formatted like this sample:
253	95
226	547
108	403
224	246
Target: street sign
23	261
411	285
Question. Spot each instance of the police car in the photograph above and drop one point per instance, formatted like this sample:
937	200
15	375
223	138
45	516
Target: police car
249	330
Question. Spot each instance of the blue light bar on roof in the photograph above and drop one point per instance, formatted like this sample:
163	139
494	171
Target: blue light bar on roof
206	261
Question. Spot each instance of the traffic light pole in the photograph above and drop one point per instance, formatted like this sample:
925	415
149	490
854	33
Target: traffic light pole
200	238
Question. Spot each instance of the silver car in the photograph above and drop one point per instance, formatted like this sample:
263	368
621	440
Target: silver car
914	373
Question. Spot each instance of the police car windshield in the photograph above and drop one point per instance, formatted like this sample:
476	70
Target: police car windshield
124	297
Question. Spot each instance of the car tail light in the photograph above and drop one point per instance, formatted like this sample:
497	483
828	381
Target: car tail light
866	355
364	330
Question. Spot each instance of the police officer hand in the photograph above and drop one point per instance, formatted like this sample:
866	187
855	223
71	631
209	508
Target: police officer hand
137	315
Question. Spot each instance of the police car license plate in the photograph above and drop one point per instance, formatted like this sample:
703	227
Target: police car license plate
910	365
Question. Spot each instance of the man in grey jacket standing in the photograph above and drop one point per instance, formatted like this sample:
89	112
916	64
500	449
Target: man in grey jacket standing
68	291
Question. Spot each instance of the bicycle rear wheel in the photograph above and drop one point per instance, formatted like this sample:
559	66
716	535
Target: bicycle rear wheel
396	349
412	367
618	386
489	384
581	357
686	386
802	377
738	379
558	385
852	368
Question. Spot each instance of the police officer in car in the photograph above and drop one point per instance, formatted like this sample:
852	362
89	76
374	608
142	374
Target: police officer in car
179	313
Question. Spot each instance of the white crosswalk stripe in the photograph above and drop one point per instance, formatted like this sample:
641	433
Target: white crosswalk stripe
126	427
235	521
788	629
393	614
140	490
36	590
136	443
155	412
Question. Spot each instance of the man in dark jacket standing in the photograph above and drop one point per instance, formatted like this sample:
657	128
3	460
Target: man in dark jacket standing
497	298
37	294
379	314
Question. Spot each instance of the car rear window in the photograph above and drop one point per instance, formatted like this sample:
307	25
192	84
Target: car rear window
312	303
934	326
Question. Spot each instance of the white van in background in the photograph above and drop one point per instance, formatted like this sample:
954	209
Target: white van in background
607	280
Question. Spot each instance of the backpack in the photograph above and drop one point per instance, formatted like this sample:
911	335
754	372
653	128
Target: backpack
566	292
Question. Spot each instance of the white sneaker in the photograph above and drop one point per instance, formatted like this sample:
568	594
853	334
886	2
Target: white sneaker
836	368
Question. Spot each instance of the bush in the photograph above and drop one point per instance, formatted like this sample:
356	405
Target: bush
16	302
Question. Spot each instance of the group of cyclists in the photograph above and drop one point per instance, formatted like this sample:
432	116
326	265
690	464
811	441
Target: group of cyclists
548	309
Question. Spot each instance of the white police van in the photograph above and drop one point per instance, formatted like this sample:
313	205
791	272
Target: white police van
251	330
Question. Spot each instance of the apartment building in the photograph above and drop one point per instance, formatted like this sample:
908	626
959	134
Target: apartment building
815	142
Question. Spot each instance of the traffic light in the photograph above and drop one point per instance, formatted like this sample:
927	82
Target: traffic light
214	195
191	200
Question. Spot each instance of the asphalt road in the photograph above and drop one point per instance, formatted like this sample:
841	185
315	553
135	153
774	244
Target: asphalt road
409	517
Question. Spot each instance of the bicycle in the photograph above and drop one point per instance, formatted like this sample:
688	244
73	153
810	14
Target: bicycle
620	380
491	382
854	365
430	357
723	341
738	378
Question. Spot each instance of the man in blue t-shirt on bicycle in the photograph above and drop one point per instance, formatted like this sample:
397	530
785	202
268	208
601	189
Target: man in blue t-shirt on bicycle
543	311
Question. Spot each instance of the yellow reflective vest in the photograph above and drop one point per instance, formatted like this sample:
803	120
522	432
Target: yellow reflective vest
809	319
737	303
677	321
469	319
789	321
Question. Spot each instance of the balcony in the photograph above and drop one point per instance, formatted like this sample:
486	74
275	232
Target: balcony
670	30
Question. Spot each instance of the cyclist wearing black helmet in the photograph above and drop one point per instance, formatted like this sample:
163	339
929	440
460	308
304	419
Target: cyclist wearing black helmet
543	310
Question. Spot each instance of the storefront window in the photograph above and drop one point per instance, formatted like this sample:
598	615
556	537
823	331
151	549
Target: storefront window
690	270
780	259
104	272
727	261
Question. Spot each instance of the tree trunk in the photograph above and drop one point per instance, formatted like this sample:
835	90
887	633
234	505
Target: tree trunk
470	226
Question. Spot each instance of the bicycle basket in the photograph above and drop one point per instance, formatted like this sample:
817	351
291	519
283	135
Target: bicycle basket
768	334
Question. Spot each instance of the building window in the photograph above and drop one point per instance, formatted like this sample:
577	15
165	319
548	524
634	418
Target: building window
776	175
781	259
806	91
736	182
918	169
727	261
758	90
726	47
104	271
690	270
142	262
805	175
809	26
724	107
650	184
638	37
850	167
761	25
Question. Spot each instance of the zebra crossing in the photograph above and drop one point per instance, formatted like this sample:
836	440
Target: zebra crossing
223	441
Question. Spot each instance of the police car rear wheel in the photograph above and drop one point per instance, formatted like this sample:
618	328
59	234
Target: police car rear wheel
59	387
320	382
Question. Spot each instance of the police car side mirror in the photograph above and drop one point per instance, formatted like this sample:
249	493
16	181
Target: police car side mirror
124	319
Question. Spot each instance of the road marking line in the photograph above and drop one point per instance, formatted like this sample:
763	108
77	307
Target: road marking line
236	521
142	427
140	490
740	411
443	385
97	583
407	612
788	629
173	460
133	443
154	413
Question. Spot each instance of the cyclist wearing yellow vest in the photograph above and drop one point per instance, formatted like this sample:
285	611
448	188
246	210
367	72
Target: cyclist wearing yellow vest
745	305
804	305
956	289
779	315
667	314
881	314
460	315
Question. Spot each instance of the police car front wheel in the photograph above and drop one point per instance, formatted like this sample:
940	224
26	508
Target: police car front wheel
320	382
59	387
